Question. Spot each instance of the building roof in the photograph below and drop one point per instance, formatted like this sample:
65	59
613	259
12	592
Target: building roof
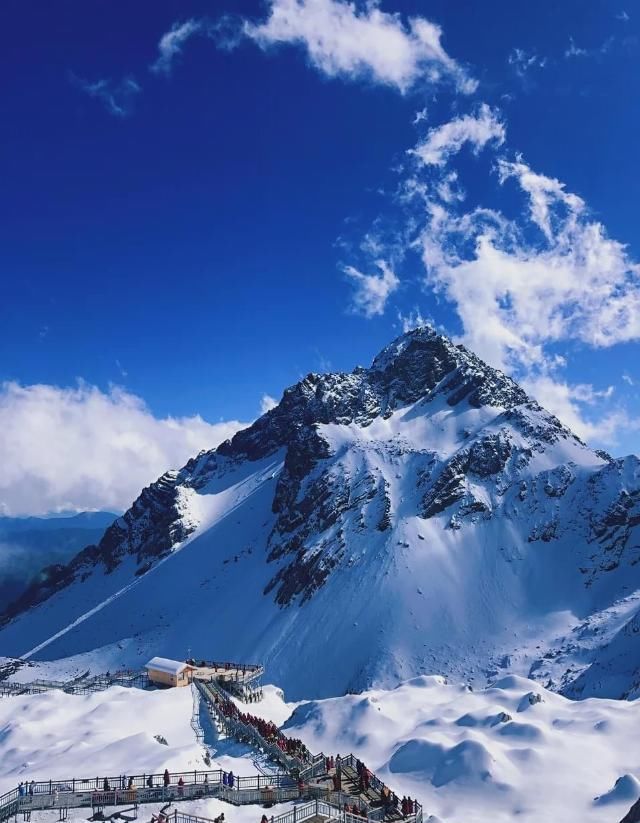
163	664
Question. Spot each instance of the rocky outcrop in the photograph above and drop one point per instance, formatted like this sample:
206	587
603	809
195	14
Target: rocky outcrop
633	815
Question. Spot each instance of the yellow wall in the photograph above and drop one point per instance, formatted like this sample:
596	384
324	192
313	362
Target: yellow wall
164	679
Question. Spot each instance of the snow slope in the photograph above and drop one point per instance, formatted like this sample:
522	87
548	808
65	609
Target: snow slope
420	516
513	751
60	736
56	735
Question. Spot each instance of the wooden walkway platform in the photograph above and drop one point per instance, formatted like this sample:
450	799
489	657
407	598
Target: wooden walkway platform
303	776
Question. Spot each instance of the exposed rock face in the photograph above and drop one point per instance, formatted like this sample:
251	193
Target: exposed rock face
633	815
429	456
418	366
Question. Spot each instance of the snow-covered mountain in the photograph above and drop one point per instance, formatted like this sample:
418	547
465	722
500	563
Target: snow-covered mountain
423	515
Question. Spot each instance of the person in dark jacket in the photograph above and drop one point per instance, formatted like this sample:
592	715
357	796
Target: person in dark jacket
166	778
105	785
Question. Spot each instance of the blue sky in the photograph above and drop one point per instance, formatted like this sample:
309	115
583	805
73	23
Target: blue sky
192	223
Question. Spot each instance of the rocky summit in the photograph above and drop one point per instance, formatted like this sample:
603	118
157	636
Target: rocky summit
423	515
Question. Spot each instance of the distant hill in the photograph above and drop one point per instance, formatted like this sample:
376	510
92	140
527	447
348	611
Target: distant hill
28	544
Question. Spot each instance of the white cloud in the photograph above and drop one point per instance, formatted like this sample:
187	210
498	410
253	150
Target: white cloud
446	140
267	403
623	16
570	403
421	115
80	448
171	44
359	40
117	97
372	290
525	278
517	292
448	188
628	379
545	195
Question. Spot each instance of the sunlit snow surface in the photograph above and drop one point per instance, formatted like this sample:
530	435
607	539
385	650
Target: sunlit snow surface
511	751
472	598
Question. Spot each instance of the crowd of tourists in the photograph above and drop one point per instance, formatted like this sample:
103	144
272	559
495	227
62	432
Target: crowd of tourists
268	730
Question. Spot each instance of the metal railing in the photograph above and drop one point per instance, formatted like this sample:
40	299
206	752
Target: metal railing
78	686
305	772
291	783
135	789
234	727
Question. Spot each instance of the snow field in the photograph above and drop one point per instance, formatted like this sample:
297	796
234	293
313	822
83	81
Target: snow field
512	750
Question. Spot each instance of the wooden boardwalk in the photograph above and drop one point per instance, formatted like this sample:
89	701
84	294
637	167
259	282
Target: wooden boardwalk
303	776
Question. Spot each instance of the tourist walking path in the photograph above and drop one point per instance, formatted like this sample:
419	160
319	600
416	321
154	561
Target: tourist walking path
340	788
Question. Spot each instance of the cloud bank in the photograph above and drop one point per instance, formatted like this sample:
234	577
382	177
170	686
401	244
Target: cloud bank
81	448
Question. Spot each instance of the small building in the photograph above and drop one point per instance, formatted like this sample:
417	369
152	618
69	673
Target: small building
167	672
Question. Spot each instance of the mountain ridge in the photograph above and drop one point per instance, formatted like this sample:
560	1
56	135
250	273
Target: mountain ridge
430	463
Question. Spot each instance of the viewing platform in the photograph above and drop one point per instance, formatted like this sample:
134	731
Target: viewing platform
328	788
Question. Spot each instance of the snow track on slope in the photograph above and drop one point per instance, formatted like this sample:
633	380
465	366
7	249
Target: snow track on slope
208	510
92	611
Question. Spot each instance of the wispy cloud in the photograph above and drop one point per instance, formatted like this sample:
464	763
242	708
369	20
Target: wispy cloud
118	97
413	320
573	50
475	130
372	290
226	32
172	42
524	62
421	115
123	372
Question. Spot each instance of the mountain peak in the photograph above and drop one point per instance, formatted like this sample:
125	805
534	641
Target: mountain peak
418	365
429	479
425	335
